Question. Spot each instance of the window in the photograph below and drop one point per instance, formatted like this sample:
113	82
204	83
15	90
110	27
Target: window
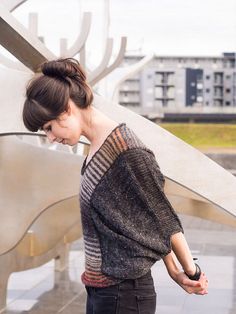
199	99
207	103
227	103
208	77
228	77
228	90
193	84
207	90
150	91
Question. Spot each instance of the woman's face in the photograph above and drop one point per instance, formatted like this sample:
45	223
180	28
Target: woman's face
66	129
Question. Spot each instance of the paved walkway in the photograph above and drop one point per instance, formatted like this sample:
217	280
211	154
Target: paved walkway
39	291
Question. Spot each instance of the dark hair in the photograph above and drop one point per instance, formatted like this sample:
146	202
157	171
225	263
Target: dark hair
48	93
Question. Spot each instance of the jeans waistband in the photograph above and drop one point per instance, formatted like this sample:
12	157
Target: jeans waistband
134	283
129	283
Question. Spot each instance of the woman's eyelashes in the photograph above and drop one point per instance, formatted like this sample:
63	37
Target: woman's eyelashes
48	129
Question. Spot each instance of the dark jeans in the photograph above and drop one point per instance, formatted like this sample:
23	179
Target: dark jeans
136	296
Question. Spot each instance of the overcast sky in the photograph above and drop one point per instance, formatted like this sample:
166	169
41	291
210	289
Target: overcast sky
166	27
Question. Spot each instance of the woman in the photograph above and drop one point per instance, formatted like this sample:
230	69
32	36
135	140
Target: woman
128	223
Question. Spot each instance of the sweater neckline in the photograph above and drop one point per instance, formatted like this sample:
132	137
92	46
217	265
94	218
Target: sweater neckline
85	165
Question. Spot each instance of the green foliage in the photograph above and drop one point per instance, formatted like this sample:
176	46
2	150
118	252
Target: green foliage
204	135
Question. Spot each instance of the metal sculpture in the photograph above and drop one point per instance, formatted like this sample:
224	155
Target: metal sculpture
193	181
103	64
108	69
18	41
119	75
11	5
79	44
31	198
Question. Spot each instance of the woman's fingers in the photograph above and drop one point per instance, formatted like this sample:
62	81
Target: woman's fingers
191	286
191	283
196	287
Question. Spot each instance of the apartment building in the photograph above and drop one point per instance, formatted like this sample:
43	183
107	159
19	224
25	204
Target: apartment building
183	86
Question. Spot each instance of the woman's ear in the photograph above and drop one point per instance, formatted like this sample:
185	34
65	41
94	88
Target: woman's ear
64	115
69	108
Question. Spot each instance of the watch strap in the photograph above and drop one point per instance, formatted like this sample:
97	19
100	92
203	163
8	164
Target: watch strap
197	274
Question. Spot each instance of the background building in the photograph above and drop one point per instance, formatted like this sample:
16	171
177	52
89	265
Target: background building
183	88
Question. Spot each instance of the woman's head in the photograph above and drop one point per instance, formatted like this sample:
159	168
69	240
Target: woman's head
48	94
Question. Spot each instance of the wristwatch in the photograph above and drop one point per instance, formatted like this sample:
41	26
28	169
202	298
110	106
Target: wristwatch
197	274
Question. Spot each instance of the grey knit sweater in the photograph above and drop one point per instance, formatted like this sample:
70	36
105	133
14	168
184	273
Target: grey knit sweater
127	219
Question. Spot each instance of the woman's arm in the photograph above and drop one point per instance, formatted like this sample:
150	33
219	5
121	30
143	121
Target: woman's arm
181	252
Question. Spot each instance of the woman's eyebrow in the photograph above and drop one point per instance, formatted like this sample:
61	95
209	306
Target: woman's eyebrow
44	127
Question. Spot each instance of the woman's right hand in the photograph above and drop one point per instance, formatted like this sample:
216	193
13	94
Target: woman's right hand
199	287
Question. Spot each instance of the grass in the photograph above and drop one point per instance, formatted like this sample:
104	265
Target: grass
204	135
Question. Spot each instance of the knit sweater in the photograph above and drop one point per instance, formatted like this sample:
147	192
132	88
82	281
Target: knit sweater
127	219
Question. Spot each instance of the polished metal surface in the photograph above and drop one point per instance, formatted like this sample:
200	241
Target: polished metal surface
107	69
12	103
33	180
11	5
119	75
103	64
19	42
38	204
82	38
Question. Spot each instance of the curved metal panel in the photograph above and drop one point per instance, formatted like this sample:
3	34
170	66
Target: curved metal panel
47	231
63	47
84	32
119	75
94	75
12	103
17	40
11	5
116	63
13	65
201	209
32	179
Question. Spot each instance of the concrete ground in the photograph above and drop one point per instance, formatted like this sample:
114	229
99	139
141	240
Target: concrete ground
41	291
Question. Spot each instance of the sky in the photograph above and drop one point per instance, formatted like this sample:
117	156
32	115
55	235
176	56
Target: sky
163	27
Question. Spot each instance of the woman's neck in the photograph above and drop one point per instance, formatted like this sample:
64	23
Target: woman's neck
97	126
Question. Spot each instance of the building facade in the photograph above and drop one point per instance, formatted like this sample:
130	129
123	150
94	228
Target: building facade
182	85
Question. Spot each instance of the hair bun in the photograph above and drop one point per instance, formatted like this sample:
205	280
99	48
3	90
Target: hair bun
64	68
